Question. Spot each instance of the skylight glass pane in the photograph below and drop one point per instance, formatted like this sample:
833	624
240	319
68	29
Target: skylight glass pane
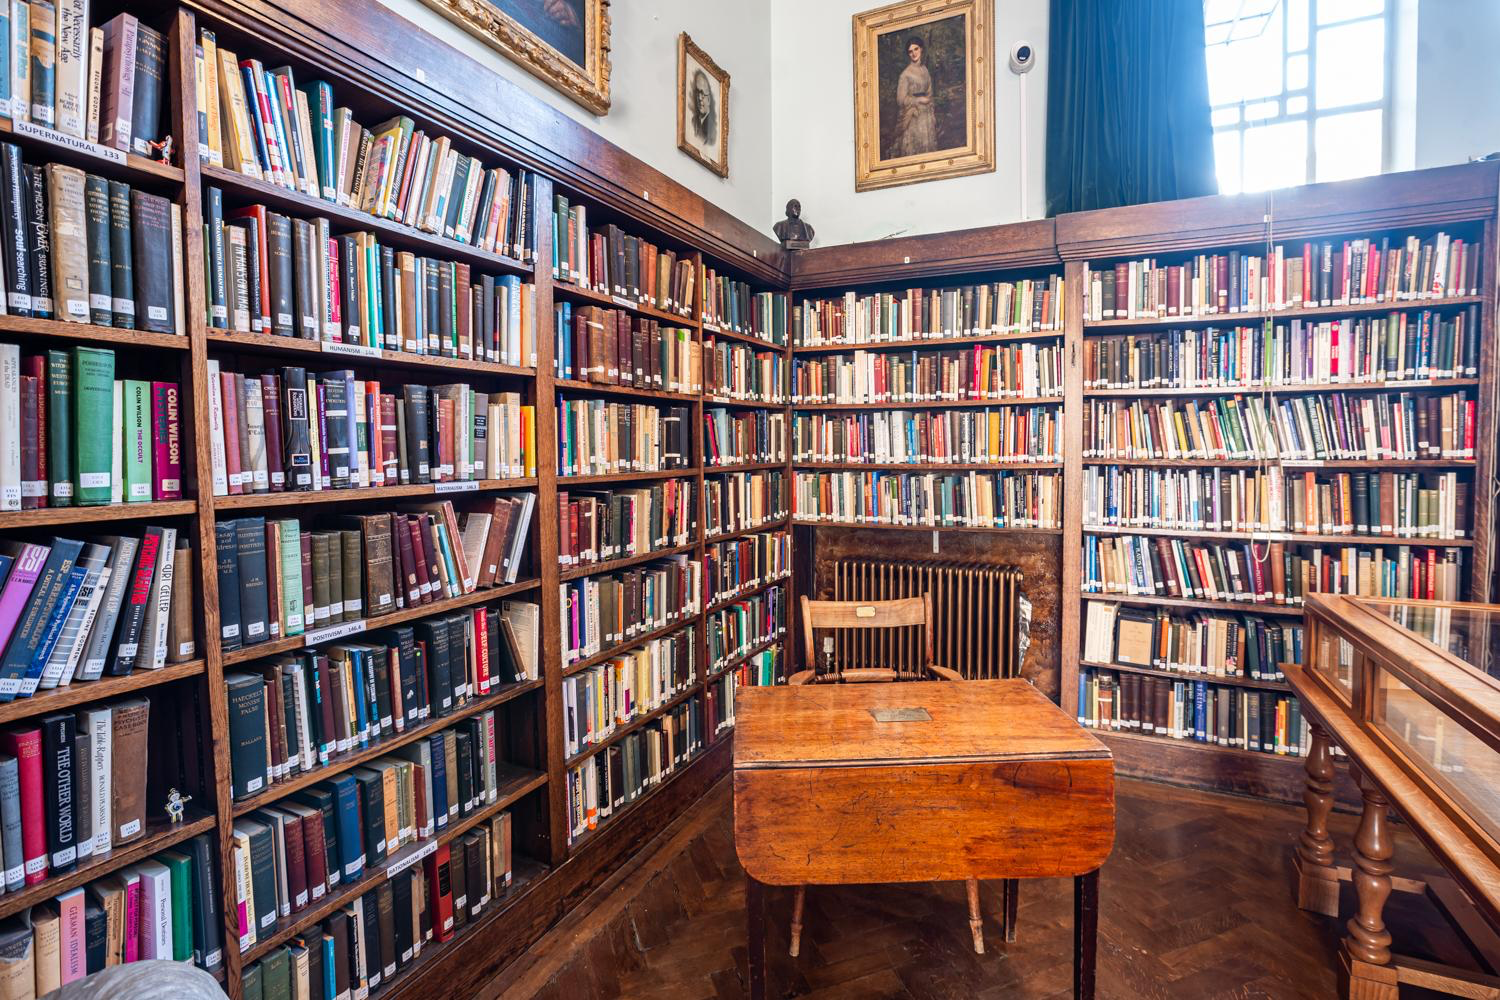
1275	156
1333	11
1351	64
1227	160
1349	145
1249	68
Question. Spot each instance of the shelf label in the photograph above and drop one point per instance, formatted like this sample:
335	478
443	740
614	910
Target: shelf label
457	486
397	867
621	300
712	327
71	142
333	632
350	350
1302	463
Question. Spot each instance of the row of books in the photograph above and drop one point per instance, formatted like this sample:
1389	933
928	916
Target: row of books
742	437
71	434
365	944
1263	721
289	856
1401	426
72	787
763	669
971	437
633	765
615	347
627	521
613	262
296	714
733	567
753	621
1398	347
610	608
260	123
730	304
1028	371
932	499
275	274
1288	277
163	908
83	249
102	83
597	436
278	578
740	501
732	370
718	699
289	429
1219	645
1266	572
74	610
598	700
998	307
1387	504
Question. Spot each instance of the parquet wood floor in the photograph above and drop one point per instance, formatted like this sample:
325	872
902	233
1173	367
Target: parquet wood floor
1196	904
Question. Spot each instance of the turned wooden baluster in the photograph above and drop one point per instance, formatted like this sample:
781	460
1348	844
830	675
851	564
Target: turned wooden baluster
1367	949
797	903
1317	881
976	926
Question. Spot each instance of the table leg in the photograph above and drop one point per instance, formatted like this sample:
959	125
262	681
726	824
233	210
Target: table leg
1010	895
1365	960
755	926
976	924
1317	878
1085	933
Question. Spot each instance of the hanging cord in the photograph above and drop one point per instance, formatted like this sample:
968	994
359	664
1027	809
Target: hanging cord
1267	393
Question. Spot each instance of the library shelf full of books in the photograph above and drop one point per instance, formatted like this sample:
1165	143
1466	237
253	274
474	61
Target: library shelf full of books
404	643
461	466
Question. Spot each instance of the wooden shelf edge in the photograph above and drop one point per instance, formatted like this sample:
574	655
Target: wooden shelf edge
728	536
931	404
82	692
569	290
621	731
256	501
605	655
88	333
932	343
1409	385
812	523
60	516
1179	675
726	602
624	562
1184	602
575	386
227	340
565	481
1279	536
1259	316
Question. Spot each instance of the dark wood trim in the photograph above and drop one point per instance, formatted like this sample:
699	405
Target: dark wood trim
389	56
1009	246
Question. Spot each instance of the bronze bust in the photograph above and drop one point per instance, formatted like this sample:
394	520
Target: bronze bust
793	233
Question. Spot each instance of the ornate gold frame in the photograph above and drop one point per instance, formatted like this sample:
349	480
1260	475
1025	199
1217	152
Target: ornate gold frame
589	86
977	156
685	46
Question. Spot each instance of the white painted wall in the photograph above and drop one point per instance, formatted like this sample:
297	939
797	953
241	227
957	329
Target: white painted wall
812	67
1458	81
643	87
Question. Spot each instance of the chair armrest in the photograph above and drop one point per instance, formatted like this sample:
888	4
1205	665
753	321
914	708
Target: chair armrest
802	677
862	675
944	674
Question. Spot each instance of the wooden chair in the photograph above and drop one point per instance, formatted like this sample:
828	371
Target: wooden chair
908	612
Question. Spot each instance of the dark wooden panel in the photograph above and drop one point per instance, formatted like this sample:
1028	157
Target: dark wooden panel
392	57
992	248
1413	198
1037	556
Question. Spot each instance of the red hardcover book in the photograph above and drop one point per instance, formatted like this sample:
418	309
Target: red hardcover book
261	250
229	392
325	705
296	864
462	295
314	854
305	538
166	442
406	562
425	583
390	448
440	893
482	651
271	402
25	745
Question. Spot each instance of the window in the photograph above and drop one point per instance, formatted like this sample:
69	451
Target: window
1299	90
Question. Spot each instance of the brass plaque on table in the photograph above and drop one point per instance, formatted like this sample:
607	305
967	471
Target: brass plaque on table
900	715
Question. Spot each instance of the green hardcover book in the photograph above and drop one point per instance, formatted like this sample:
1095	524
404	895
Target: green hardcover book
250	982
93	424
137	436
180	867
276	975
291	577
59	429
320	110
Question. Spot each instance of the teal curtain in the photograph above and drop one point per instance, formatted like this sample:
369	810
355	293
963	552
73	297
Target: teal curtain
1127	104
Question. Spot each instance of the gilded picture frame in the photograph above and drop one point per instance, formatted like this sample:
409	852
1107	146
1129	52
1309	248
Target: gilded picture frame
562	42
924	92
702	107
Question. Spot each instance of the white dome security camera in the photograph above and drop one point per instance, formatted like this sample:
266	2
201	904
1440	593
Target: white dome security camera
1022	58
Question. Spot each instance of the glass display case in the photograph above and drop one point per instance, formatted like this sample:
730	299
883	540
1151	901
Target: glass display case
1422	680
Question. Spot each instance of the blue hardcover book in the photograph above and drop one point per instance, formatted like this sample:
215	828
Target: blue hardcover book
330	964
357	682
37	615
256	124
6	562
54	628
1200	710
1083	697
439	780
351	847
